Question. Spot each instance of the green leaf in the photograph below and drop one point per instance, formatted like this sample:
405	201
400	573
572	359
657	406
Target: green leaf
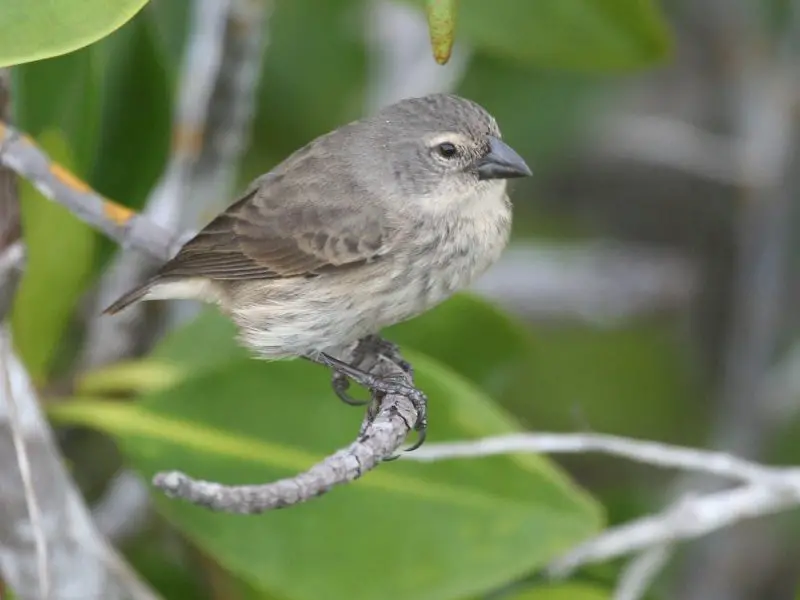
442	24
37	29
429	531
60	254
563	592
570	34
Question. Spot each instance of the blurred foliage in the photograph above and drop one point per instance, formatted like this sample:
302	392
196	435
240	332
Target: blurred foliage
456	529
571	34
563	592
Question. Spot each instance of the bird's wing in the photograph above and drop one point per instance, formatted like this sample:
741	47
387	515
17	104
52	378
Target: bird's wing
274	231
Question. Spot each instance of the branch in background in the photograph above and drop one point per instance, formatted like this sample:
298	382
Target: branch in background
638	575
213	114
212	178
598	282
113	338
12	258
767	490
49	548
669	142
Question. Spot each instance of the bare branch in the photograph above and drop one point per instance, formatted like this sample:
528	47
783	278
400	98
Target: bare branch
25	473
112	338
670	142
768	490
20	153
379	439
81	563
668	456
691	518
636	578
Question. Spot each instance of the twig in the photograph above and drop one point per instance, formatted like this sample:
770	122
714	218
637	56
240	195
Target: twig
670	142
636	578
211	179
26	474
39	500
768	489
379	439
690	518
81	563
20	153
12	258
719	464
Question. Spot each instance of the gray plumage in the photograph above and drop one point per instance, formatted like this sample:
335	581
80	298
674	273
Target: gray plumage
366	226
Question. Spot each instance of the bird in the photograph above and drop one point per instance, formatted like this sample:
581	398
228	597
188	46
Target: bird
369	225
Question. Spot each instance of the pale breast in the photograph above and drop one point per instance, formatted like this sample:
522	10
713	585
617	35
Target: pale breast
295	316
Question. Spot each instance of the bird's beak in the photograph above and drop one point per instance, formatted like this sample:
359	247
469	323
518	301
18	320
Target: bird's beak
501	162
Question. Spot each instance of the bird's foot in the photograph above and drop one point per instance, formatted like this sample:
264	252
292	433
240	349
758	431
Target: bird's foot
368	346
343	373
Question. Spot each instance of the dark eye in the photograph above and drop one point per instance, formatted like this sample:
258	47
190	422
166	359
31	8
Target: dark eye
447	150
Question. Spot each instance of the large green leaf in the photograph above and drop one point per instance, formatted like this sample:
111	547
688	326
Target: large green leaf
60	255
427	531
37	29
573	34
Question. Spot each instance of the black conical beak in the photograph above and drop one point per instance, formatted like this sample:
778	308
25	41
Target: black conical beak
501	162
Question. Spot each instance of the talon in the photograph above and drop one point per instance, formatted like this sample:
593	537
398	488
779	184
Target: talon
422	433
340	385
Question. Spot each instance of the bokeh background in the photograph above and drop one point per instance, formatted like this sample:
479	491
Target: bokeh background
650	291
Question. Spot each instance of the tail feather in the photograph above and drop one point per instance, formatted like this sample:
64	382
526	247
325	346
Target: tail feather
128	299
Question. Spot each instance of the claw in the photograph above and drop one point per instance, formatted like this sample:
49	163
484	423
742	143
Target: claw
340	385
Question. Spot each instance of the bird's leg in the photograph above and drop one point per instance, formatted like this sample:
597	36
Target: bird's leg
384	385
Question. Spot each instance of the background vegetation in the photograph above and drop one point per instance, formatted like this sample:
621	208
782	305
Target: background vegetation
96	88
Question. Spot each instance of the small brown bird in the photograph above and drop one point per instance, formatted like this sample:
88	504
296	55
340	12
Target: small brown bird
364	227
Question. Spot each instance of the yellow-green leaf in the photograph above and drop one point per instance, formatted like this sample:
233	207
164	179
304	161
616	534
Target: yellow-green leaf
37	29
442	25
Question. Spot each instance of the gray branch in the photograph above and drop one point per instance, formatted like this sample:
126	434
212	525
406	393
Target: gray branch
49	546
380	437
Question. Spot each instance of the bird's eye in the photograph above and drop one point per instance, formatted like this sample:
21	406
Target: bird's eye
447	149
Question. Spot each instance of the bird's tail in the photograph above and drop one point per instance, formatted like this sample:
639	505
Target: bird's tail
128	299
